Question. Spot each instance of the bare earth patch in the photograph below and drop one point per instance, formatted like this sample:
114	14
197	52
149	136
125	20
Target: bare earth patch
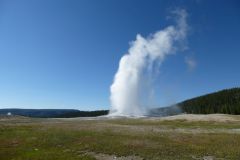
101	156
204	117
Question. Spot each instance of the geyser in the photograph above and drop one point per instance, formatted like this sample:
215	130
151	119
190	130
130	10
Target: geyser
132	84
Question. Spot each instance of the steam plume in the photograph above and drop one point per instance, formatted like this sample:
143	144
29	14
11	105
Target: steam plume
132	83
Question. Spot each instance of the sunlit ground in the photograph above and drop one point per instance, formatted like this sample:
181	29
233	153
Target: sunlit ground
178	137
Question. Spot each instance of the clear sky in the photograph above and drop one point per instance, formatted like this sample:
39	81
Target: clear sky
64	53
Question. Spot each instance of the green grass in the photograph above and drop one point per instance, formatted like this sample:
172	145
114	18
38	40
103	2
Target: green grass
179	123
72	140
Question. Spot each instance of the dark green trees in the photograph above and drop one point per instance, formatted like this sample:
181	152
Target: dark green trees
225	101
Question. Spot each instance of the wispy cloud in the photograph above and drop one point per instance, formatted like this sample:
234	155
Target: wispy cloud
191	63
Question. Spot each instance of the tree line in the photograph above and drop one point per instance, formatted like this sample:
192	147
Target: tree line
83	114
225	101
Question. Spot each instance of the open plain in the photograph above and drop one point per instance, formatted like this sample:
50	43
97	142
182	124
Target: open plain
214	136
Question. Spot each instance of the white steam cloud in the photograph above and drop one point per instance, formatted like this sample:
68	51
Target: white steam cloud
132	84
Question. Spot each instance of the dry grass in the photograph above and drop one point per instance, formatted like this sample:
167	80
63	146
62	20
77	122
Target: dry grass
147	138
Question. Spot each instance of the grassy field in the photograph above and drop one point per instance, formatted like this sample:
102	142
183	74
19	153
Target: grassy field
145	138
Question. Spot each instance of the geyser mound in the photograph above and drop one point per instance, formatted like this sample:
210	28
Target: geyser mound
132	86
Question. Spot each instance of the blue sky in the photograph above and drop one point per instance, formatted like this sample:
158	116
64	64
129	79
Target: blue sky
64	54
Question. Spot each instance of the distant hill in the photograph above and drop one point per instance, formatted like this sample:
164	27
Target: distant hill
84	114
165	111
52	113
226	101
